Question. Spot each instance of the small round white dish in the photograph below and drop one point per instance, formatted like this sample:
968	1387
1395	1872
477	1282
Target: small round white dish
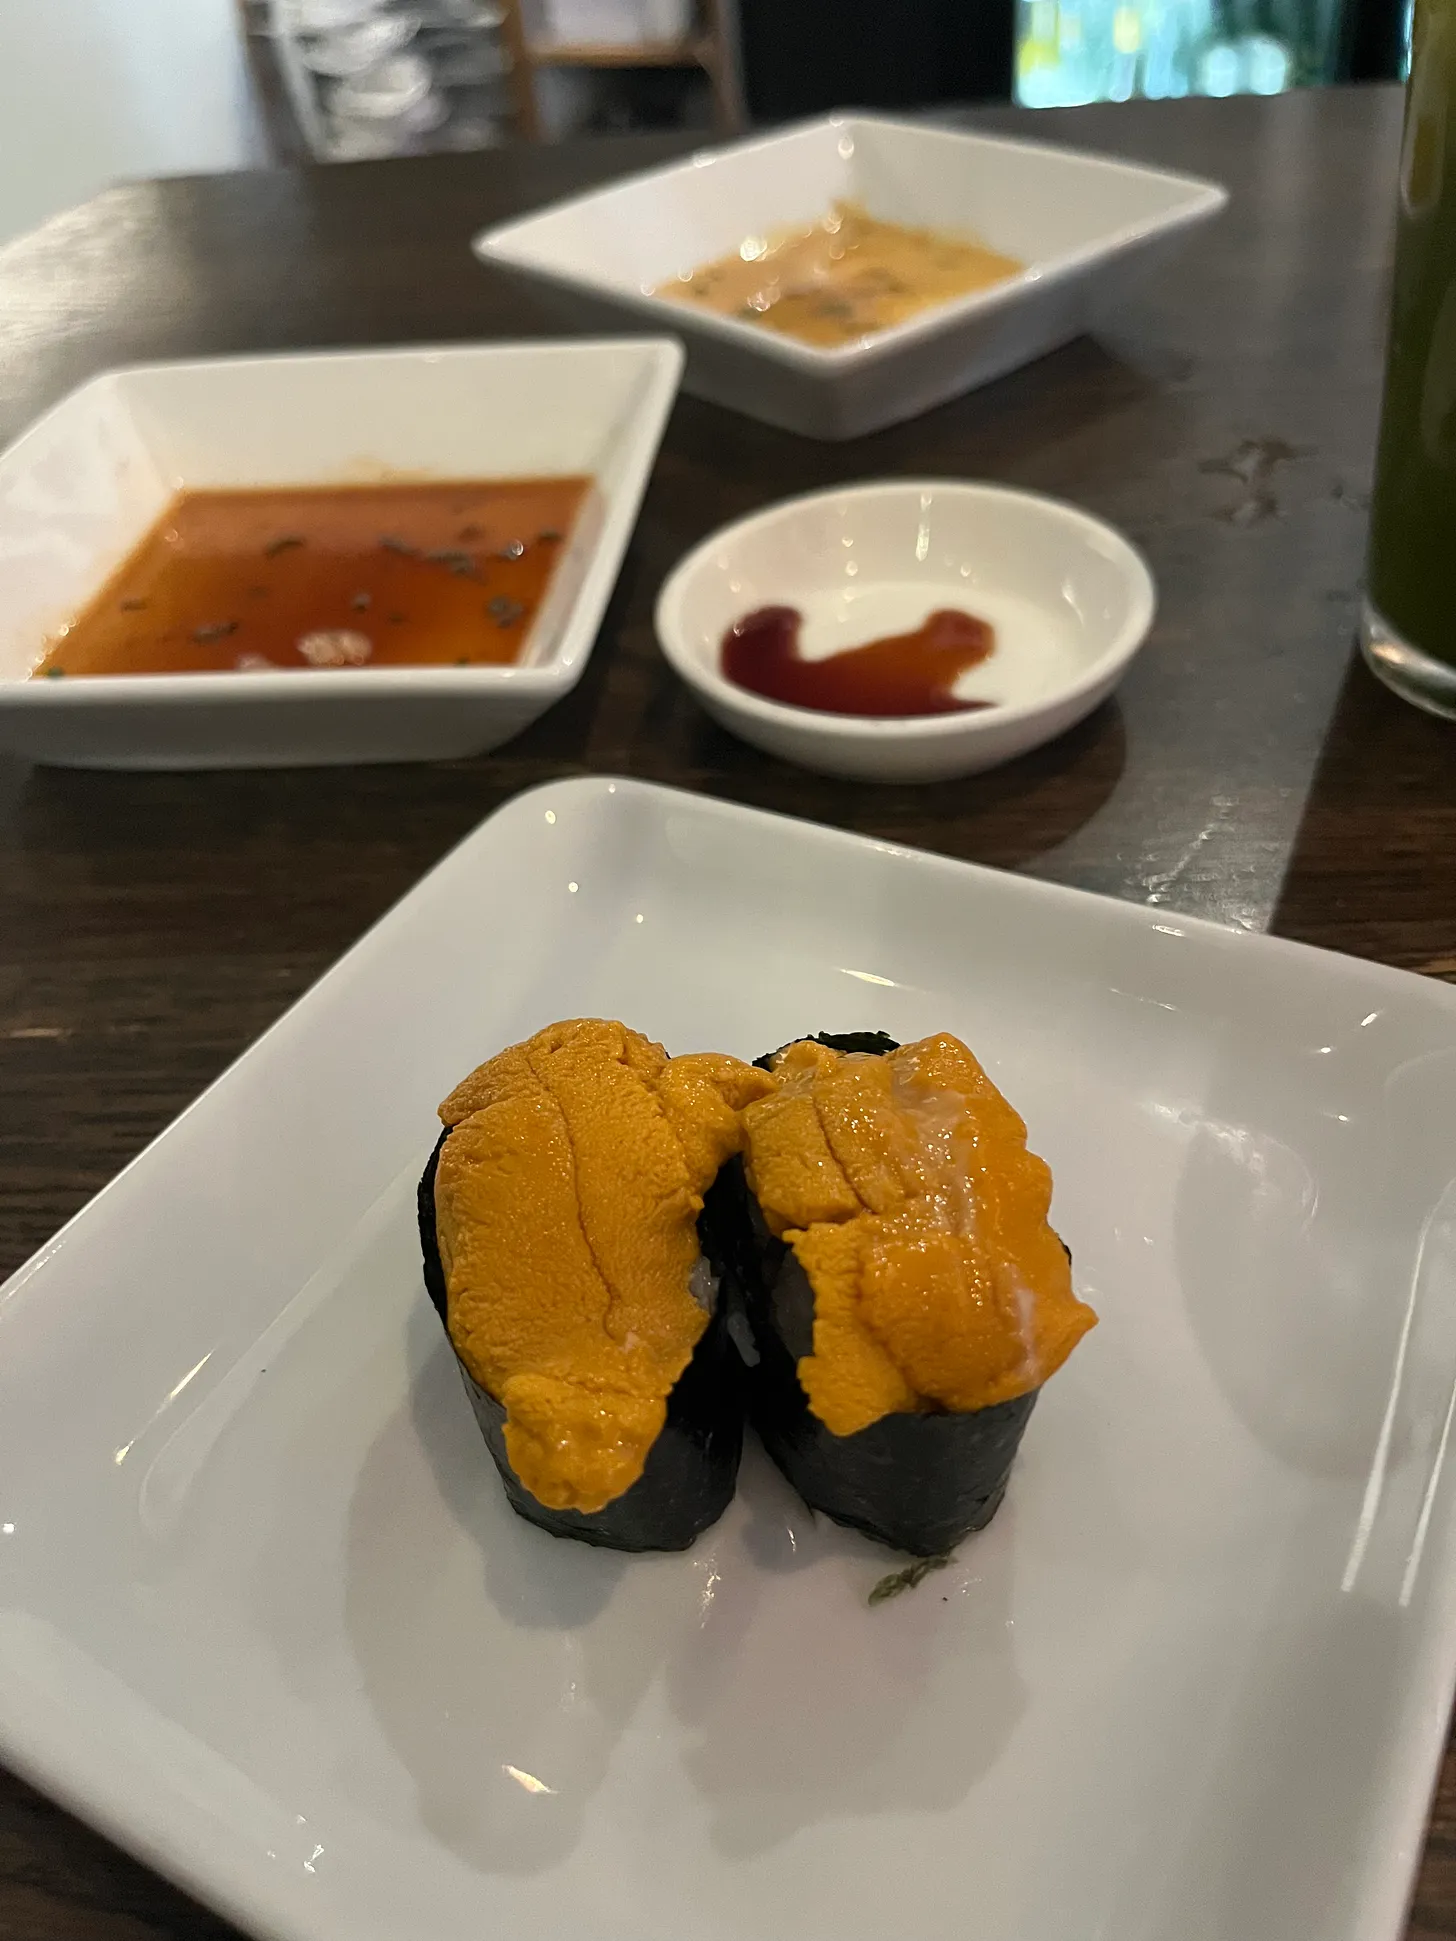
1069	598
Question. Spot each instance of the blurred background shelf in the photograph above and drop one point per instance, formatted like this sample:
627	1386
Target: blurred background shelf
343	79
649	54
630	37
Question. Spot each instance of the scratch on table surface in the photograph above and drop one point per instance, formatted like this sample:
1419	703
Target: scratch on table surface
39	1031
1162	886
1253	462
1158	884
1161	882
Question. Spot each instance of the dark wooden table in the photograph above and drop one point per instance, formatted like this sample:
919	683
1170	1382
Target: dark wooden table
1248	770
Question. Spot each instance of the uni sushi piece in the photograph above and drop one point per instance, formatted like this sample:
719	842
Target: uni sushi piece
906	1297
558	1222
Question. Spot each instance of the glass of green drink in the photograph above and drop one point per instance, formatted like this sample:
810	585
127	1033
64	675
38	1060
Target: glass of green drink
1409	631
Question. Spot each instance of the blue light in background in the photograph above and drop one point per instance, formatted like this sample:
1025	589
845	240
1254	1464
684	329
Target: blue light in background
1074	51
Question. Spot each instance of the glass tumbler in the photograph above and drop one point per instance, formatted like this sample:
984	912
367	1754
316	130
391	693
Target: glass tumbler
1409	625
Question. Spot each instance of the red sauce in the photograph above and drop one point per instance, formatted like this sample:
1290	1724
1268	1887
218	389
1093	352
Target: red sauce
903	674
328	576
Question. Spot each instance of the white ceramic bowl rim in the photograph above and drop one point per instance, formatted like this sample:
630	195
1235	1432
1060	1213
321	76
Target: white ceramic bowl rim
1142	601
922	323
304	683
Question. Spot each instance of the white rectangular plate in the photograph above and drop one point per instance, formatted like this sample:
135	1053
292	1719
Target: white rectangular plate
87	481
1082	224
265	1618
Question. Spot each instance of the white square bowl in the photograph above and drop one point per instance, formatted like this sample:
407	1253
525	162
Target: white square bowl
266	1618
1081	224
82	486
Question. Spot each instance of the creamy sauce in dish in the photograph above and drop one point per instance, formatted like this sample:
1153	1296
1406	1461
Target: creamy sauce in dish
404	574
841	278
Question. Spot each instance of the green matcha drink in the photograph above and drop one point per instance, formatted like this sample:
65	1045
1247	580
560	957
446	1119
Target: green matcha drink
1410	628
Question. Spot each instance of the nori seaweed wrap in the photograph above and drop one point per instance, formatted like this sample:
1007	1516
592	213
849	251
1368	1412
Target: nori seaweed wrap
590	1330
912	1467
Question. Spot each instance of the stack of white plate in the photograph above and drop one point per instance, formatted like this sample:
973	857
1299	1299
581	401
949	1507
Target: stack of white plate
361	45
394	77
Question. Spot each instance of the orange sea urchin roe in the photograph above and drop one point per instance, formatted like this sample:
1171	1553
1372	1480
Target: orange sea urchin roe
566	1203
904	1186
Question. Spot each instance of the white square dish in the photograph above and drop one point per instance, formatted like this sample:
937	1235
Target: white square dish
85	483
266	1619
1082	224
